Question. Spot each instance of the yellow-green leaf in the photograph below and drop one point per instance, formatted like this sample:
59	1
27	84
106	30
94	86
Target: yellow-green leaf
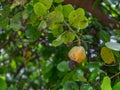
40	9
68	37
106	83
107	55
47	3
78	19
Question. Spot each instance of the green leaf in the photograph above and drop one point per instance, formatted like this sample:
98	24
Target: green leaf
58	41
42	25
13	64
82	24
59	8
106	83
12	88
116	86
70	85
113	45
94	74
56	29
76	15
63	66
40	9
15	22
68	37
56	16
104	36
33	20
58	1
3	84
77	19
86	87
67	9
67	77
79	76
4	22
47	3
32	33
107	55
3	70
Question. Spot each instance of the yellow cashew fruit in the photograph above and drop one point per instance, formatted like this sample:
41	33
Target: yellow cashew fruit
77	54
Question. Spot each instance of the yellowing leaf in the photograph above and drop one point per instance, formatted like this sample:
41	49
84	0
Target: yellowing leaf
107	55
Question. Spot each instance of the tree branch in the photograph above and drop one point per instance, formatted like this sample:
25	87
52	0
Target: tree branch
105	19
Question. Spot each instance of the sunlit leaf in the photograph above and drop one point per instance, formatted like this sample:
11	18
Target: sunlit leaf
113	45
47	3
106	83
40	9
67	9
56	29
68	37
77	19
56	16
58	1
13	64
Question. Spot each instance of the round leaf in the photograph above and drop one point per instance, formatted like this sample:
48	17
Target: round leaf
47	3
58	41
68	37
113	45
67	9
106	83
77	19
107	55
40	9
63	66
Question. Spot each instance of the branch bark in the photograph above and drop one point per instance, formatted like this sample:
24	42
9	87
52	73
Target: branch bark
105	19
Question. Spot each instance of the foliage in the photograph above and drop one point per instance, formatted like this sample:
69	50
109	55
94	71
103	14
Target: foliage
36	36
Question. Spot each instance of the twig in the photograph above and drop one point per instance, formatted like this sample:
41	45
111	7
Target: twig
115	75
